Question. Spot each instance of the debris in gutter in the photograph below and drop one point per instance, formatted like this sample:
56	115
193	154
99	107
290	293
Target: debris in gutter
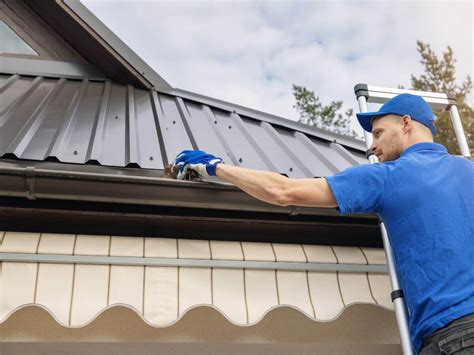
171	172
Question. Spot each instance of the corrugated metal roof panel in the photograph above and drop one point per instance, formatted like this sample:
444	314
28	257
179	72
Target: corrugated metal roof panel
81	121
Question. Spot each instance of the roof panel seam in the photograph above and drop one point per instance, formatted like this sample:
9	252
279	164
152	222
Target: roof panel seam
310	145
344	153
20	99
185	117
13	79
57	145
132	151
22	139
240	124
95	149
212	119
157	110
277	139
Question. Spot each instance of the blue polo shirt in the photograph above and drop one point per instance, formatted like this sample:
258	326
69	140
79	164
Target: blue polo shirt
426	200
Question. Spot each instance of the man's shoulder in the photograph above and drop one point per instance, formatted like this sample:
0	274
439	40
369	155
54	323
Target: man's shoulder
459	161
367	168
404	164
414	166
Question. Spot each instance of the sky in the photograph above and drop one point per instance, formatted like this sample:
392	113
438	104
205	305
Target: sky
251	52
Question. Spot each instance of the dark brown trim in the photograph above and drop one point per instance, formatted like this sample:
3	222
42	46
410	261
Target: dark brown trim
76	217
83	199
73	182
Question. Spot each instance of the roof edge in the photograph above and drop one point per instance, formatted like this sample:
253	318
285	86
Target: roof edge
48	180
70	198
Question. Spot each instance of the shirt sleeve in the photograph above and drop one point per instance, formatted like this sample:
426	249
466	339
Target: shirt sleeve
359	189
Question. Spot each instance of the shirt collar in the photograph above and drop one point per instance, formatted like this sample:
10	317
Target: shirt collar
424	146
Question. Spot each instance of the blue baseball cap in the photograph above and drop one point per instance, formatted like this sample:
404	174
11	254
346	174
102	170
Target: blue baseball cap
404	104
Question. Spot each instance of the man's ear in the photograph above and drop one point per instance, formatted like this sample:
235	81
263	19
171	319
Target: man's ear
407	123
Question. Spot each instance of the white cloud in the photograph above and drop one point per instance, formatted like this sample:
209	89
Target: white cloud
251	53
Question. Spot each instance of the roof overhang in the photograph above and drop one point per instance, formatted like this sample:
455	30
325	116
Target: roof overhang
69	198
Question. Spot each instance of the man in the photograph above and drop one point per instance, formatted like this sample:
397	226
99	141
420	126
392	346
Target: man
424	196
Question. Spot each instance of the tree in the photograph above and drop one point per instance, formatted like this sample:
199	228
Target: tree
440	76
314	113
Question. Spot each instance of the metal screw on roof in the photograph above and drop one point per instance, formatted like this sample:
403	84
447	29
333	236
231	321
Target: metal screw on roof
151	158
230	127
174	122
215	122
75	152
116	117
240	160
291	169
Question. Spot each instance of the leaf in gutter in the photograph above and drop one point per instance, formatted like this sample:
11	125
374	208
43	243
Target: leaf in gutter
171	172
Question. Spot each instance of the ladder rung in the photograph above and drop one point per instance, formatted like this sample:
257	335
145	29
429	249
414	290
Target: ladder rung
378	94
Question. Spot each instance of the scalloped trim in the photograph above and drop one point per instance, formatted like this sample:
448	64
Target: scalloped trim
183	314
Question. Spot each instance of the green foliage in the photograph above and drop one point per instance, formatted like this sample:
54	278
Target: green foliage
314	113
440	76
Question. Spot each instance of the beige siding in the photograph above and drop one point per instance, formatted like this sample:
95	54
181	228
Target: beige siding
75	293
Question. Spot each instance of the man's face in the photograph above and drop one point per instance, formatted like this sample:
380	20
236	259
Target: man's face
387	137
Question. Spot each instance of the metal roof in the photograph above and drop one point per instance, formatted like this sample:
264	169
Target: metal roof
106	123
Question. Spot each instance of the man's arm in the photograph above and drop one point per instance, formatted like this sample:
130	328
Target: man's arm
276	189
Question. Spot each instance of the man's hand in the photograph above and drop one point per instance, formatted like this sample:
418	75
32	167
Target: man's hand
199	161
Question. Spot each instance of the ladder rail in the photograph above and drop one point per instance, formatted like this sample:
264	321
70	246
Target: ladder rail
459	131
398	302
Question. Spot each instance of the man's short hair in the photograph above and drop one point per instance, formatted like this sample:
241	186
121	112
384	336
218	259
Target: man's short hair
417	124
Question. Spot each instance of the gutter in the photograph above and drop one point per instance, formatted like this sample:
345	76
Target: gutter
45	180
